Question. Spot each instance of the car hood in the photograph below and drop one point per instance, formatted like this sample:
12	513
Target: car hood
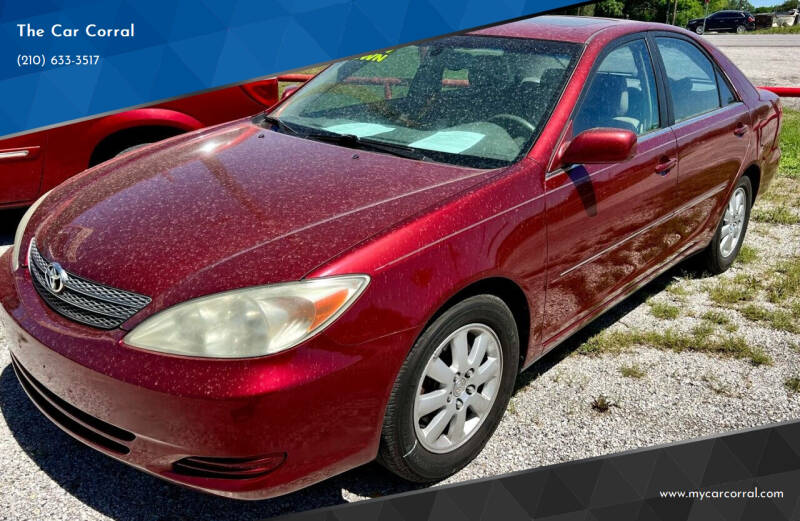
232	206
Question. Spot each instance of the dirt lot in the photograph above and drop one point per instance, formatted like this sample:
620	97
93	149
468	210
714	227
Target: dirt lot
686	356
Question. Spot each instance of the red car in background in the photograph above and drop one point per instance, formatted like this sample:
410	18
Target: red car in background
363	271
33	163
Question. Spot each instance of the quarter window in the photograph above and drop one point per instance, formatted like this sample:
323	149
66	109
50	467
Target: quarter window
692	79
622	93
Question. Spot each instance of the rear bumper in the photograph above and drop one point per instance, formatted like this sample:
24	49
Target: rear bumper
308	415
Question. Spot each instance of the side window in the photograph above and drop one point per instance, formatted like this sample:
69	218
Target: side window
622	93
691	76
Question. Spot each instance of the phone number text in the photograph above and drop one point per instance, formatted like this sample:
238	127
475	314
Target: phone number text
57	60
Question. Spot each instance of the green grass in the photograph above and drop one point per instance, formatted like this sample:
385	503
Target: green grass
608	342
747	255
702	332
776	319
676	290
699	340
663	310
632	371
716	317
785	282
741	288
602	404
775	215
783	191
793	384
790	143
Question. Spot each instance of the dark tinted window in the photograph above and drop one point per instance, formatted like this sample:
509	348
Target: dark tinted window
691	77
622	93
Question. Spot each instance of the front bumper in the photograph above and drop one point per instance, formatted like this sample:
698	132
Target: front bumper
313	411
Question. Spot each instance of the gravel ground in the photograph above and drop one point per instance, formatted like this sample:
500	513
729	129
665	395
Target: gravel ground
45	474
767	59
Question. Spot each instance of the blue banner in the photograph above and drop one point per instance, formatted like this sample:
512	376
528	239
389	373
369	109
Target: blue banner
62	60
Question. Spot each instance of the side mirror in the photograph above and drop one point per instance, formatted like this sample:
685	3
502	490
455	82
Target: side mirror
600	145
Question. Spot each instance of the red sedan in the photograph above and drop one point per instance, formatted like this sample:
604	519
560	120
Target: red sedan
33	163
362	272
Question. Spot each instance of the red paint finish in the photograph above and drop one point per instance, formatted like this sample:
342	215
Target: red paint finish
239	205
789	92
63	151
600	146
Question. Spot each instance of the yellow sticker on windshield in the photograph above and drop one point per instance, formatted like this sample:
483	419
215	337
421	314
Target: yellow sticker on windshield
378	57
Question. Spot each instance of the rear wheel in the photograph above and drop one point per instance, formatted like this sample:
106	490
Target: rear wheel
727	241
699	29
741	29
451	391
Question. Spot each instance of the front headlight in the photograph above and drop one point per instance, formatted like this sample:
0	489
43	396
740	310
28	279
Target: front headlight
23	223
248	322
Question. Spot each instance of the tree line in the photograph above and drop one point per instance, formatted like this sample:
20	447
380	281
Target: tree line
677	12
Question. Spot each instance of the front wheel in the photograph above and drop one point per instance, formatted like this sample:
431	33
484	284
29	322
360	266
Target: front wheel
727	241
699	29
451	391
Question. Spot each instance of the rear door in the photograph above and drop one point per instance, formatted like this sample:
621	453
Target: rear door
711	124
607	223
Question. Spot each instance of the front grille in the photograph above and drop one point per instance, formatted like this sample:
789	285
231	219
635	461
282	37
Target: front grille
70	418
82	300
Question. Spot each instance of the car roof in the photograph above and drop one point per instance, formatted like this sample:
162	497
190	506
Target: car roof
578	29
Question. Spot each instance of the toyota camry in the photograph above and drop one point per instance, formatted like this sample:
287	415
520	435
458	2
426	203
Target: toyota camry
361	272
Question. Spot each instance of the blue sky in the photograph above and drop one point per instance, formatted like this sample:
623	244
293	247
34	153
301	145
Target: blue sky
762	3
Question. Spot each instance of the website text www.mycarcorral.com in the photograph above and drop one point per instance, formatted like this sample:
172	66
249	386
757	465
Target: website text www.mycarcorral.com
753	493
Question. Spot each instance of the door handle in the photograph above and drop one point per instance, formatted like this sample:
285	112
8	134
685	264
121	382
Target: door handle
665	164
740	130
19	154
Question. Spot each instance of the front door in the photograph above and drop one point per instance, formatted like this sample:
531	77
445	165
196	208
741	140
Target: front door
607	223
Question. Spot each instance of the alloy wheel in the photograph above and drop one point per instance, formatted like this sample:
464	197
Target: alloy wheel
733	222
458	388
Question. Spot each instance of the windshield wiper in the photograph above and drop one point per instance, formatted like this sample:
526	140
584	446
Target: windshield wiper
353	141
281	124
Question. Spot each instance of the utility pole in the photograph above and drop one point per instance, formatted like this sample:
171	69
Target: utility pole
675	13
666	18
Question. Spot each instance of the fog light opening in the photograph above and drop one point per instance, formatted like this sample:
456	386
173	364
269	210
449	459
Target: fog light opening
229	468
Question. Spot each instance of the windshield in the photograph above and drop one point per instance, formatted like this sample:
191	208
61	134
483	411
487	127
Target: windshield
468	100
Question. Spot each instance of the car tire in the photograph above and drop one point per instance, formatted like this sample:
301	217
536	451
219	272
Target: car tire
741	29
132	148
699	29
410	445
726	243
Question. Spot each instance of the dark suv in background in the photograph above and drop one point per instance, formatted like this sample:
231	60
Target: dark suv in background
739	21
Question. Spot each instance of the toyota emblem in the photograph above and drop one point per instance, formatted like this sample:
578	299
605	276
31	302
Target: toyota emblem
55	276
